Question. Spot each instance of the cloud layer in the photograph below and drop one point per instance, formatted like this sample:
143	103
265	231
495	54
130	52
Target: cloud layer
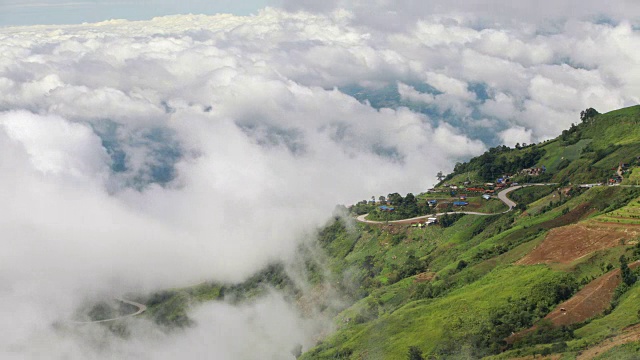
143	155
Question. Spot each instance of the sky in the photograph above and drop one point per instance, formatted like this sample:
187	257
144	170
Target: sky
143	155
35	12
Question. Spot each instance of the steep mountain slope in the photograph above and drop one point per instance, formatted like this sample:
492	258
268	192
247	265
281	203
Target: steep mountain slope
462	290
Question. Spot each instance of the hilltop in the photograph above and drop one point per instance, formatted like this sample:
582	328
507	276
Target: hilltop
591	151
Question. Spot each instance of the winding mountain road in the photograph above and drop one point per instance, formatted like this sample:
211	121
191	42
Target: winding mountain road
502	195
141	308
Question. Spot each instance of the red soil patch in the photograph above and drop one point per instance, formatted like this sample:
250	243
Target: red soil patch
570	243
593	299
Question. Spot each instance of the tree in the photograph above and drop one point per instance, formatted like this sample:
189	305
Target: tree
382	199
369	264
461	265
588	114
415	353
627	276
412	266
395	199
440	176
410	205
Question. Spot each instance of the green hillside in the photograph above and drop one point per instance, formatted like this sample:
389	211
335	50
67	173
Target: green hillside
460	291
589	152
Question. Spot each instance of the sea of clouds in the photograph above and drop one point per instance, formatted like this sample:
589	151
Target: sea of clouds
143	155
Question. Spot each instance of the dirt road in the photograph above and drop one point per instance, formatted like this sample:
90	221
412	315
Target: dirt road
141	308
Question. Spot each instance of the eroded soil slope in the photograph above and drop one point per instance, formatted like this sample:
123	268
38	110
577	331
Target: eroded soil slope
569	243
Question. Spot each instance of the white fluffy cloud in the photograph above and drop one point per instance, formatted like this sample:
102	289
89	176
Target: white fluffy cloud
141	155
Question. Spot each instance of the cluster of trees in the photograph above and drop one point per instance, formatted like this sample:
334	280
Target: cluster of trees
489	253
169	308
573	134
629	278
587	114
362	207
499	160
415	353
404	207
447	220
502	159
546	333
498	165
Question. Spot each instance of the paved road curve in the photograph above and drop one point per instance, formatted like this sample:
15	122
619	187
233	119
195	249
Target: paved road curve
502	195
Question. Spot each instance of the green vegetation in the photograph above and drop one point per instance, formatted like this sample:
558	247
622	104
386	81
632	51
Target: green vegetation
469	297
403	208
500	160
170	308
587	152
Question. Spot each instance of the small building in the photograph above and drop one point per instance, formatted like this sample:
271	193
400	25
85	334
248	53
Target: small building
386	208
460	203
486	196
432	202
463	197
432	221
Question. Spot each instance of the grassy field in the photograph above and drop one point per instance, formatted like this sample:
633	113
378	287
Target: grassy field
426	323
618	127
558	155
